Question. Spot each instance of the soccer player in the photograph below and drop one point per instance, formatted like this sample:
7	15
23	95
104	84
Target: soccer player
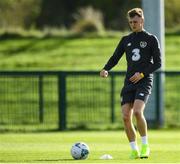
143	57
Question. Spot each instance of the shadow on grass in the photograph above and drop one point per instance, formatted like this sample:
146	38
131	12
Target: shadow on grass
66	160
54	160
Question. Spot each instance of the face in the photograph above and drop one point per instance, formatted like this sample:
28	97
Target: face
136	23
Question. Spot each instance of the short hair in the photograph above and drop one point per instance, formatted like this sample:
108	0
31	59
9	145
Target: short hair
135	11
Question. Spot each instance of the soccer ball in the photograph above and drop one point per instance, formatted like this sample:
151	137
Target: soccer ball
80	150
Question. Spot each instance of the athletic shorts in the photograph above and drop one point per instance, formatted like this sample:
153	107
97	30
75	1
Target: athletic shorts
131	96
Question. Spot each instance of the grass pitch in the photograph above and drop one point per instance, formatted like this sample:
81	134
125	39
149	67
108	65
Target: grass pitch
55	147
58	53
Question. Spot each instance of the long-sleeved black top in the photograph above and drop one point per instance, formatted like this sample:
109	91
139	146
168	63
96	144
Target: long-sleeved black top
142	54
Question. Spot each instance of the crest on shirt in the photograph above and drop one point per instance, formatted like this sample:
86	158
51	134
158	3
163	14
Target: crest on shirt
129	44
143	44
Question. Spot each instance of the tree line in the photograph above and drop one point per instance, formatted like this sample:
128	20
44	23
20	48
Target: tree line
111	14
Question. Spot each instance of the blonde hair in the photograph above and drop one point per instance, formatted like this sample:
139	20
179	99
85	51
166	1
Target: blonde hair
135	11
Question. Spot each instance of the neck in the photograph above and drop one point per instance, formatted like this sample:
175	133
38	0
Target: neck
139	30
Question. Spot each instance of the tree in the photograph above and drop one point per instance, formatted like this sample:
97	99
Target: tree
172	9
57	13
18	13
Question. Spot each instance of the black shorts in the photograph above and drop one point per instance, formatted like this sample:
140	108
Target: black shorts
141	90
131	96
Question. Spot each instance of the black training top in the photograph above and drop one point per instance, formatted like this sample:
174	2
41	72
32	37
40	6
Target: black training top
142	54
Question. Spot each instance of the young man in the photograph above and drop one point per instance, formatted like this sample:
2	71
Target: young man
143	58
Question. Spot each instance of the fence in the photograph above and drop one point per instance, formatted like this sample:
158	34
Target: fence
67	100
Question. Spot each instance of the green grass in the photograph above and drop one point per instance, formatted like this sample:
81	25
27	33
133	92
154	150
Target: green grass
55	147
60	53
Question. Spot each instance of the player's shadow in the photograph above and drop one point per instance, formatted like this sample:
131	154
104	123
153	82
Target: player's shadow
61	160
54	160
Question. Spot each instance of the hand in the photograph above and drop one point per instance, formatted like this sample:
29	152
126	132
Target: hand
136	77
104	73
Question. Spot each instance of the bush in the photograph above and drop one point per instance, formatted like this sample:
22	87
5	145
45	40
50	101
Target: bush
88	20
19	13
172	18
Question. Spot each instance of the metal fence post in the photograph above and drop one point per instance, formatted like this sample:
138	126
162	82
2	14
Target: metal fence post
41	100
62	100
112	98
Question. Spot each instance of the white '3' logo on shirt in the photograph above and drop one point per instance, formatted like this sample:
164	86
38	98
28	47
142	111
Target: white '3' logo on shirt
136	54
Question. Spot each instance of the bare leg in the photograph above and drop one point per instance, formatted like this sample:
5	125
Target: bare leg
127	112
138	107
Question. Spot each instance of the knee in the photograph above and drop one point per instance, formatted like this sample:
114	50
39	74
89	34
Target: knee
138	114
127	113
126	118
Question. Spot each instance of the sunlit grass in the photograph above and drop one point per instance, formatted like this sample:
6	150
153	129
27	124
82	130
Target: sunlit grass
60	53
55	147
